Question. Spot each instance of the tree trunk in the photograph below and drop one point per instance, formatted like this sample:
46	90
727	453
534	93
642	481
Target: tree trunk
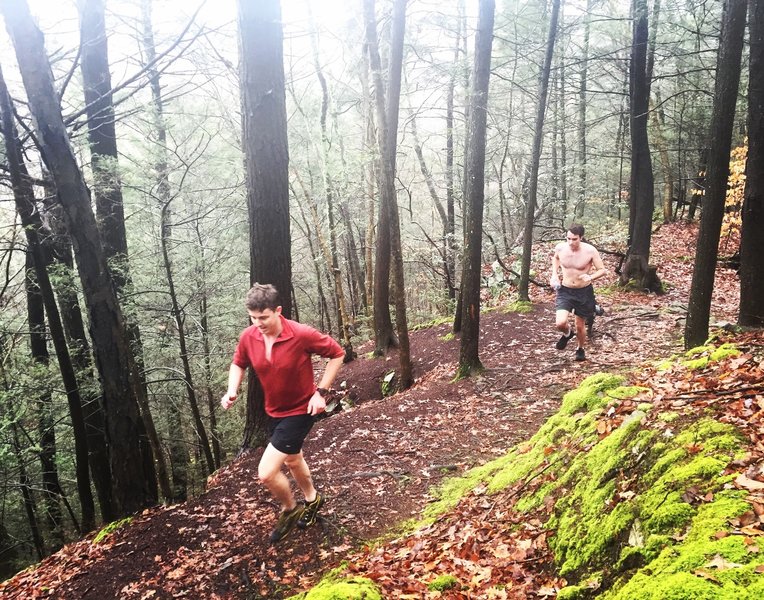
384	338
343	315
469	361
387	135
538	137
117	369
218	451
60	247
39	350
725	96
107	192
582	101
179	318
751	239
642	194
263	97
23	194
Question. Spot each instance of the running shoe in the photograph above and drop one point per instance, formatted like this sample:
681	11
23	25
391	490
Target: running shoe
563	341
286	523
310	512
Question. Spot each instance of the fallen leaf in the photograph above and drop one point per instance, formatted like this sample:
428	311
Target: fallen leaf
749	483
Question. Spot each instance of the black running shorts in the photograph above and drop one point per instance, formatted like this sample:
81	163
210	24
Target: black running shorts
578	300
287	434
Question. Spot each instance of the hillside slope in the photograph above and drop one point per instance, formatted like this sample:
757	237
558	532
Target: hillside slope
378	461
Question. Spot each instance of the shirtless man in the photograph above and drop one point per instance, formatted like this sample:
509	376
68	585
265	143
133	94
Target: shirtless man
575	294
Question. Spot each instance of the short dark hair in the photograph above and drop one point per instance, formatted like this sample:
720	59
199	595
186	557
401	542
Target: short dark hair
576	229
260	297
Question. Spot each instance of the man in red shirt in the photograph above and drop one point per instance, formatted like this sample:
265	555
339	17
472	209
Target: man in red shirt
280	350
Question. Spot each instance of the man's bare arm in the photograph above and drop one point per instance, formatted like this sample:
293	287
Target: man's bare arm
554	280
235	377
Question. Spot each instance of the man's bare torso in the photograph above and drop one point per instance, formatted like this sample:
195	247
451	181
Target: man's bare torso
575	263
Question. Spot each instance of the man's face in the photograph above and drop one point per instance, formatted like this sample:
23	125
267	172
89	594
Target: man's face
574	241
267	321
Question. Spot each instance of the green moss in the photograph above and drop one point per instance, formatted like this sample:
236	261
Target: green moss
452	490
334	586
589	395
443	583
572	592
670	516
626	391
434	323
519	307
668	417
111	528
697	351
724	351
664	365
697	364
448	337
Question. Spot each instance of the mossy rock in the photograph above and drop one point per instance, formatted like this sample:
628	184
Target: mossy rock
335	586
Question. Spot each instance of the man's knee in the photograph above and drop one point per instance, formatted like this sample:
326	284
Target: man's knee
293	461
266	475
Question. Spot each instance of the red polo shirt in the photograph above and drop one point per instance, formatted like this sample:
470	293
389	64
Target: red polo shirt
288	377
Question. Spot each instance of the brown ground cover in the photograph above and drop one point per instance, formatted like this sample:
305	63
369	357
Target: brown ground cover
378	460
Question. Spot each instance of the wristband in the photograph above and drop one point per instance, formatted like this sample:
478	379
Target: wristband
323	392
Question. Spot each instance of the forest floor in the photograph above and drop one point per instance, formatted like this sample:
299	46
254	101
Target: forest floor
377	462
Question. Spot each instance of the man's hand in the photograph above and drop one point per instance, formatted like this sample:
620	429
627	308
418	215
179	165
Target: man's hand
227	400
554	281
317	404
585	277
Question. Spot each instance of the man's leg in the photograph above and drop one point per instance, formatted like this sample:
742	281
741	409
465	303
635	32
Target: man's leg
270	474
562	325
301	473
580	331
561	320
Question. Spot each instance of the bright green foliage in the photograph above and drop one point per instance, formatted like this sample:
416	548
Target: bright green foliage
442	583
589	395
519	307
677	571
111	528
708	354
334	586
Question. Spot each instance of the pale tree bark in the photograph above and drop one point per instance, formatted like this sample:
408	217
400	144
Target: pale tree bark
387	135
266	151
582	102
117	369
538	137
445	245
178	451
344	318
469	360
725	96
369	178
751	239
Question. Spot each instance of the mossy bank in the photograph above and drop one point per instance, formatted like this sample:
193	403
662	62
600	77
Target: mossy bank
641	500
